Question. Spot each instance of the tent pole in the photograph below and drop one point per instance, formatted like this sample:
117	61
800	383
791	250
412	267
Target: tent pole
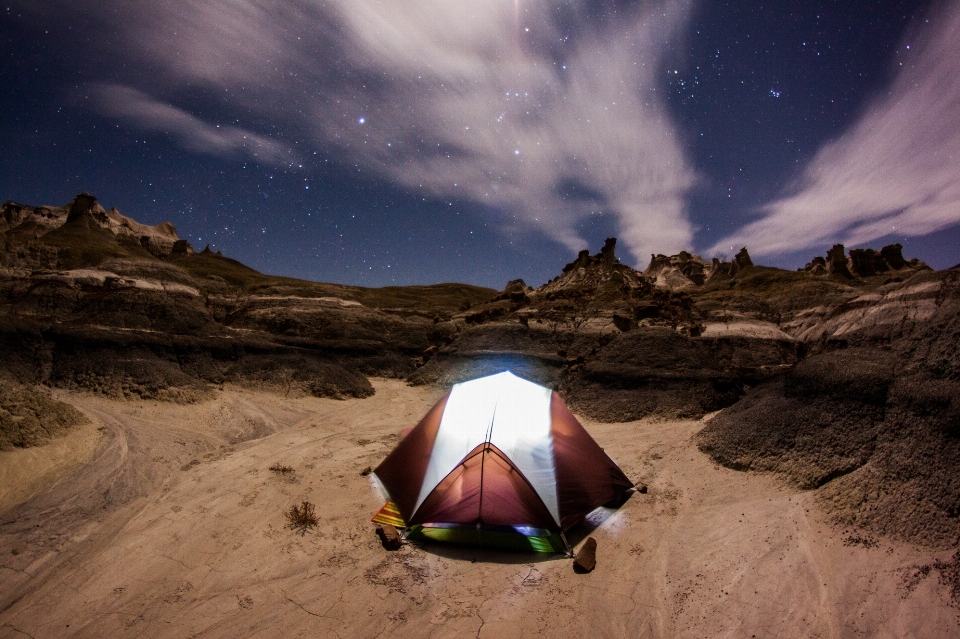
567	544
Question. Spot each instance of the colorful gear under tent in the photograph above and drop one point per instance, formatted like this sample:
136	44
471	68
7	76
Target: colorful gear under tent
499	461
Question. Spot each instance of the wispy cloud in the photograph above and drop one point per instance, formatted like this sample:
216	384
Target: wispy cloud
897	171
546	112
151	114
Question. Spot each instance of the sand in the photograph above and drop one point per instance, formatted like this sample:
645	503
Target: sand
162	520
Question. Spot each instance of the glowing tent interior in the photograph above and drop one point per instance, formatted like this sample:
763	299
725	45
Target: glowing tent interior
499	461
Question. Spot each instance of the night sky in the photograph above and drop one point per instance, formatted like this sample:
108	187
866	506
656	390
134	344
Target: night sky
379	142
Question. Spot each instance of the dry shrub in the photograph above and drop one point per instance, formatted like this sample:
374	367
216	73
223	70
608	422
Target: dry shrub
302	518
281	469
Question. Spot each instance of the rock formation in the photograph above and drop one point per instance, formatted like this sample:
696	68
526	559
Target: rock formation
892	254
515	291
867	262
740	261
862	262
677	272
160	240
593	273
619	344
83	306
869	419
837	261
684	271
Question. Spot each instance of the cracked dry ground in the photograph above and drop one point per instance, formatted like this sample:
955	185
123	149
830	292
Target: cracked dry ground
172	525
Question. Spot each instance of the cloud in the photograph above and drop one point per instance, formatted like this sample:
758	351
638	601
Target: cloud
506	102
150	114
897	170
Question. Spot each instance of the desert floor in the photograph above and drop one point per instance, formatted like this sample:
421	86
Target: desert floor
162	520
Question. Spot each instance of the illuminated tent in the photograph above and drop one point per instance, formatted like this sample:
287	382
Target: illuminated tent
498	461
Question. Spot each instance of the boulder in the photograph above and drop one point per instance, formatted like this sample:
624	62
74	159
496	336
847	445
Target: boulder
866	262
817	265
694	271
657	264
691	266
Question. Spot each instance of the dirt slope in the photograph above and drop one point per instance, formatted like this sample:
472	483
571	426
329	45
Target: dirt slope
176	528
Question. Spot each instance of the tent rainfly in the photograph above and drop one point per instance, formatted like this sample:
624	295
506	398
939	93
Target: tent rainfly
499	461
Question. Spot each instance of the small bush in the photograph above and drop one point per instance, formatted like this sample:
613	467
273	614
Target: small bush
281	469
302	518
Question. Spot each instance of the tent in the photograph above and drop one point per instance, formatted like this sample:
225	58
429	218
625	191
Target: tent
499	461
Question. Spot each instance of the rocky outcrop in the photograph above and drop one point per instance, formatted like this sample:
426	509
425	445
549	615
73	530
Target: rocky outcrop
817	266
678	272
83	204
837	261
862	262
892	255
515	291
740	261
594	274
842	377
870	418
30	417
867	262
46	217
885	314
181	248
160	240
161	340
686	271
104	315
618	344
817	422
659	371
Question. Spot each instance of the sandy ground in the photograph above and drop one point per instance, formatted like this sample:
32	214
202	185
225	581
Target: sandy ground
162	520
27	472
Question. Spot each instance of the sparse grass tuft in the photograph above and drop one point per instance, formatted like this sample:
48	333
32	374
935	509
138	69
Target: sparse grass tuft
280	469
302	518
